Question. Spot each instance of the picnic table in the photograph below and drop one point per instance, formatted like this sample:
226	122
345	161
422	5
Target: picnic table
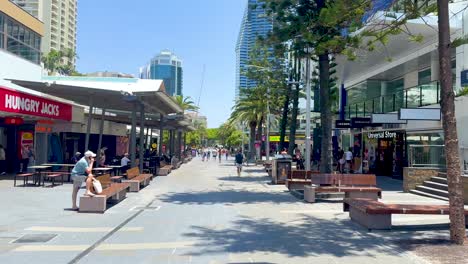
38	170
102	170
69	167
116	169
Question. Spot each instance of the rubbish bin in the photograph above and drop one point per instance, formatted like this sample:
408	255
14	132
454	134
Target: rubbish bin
281	168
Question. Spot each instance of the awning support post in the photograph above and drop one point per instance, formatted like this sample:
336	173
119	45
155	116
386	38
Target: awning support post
101	131
88	127
179	144
133	136
142	136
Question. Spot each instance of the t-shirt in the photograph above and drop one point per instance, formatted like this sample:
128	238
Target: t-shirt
124	161
349	155
80	167
239	158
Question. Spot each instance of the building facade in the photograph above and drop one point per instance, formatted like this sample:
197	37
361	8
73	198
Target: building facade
165	66
255	23
375	86
110	74
59	18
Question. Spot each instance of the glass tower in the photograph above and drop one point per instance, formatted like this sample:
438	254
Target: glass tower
255	23
167	67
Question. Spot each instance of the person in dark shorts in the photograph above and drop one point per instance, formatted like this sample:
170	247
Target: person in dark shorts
239	161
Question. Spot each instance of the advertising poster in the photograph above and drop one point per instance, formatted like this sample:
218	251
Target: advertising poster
25	140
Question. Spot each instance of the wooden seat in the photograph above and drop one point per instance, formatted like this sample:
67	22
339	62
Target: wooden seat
52	176
164	169
377	215
114	192
25	177
137	180
353	185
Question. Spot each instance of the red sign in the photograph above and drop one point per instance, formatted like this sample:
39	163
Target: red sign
17	102
14	120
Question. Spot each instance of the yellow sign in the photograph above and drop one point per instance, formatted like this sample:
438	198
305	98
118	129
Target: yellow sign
154	145
277	139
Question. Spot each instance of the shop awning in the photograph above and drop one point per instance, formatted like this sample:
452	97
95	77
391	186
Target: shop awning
107	93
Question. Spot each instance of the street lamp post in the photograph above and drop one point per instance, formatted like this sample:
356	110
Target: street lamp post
307	132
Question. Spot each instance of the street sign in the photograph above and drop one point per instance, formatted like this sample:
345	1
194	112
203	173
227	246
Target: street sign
387	119
342	124
420	114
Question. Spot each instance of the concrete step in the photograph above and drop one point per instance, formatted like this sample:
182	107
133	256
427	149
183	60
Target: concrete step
436	185
429	195
432	191
439	180
442	174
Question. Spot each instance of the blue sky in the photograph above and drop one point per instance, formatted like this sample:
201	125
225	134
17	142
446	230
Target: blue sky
122	35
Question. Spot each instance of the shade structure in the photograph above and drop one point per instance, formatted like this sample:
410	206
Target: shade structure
108	93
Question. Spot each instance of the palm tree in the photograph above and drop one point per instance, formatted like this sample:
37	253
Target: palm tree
251	109
186	103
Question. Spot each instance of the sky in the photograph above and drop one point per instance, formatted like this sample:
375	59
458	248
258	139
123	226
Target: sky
122	35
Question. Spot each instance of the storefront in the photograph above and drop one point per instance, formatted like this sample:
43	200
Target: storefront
384	153
25	123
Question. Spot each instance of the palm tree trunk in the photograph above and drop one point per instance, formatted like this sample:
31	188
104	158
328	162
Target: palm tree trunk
284	117
252	126
325	112
259	134
293	125
455	188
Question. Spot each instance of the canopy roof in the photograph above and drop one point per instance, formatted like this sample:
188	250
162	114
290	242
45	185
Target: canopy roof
107	93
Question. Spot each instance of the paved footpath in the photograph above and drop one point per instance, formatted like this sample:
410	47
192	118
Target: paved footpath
200	213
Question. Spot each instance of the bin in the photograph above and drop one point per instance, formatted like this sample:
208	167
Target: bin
281	168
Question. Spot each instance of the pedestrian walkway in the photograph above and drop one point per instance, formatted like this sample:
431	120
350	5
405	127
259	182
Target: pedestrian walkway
203	213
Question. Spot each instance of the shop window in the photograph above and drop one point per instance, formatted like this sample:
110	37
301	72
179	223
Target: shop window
424	77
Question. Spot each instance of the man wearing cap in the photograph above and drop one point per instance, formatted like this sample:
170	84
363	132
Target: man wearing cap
82	173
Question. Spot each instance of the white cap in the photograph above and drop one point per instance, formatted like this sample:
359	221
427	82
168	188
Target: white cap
78	153
89	153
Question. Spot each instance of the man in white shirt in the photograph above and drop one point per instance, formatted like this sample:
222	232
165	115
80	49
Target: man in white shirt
124	162
349	159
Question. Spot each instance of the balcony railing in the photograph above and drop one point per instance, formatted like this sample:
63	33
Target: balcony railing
418	96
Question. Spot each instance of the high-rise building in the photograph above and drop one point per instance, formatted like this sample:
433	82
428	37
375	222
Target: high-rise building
59	18
255	23
167	67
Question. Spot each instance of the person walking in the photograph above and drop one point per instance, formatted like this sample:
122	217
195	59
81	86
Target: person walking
219	155
2	160
26	155
239	161
82	172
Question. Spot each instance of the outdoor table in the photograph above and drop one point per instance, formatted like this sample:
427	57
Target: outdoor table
102	170
69	167
38	173
116	169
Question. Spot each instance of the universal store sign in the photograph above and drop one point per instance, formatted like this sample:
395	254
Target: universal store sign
383	134
21	103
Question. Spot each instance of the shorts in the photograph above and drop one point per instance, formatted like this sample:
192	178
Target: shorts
239	165
78	180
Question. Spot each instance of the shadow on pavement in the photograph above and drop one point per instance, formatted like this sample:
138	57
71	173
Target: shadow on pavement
227	196
309	237
246	179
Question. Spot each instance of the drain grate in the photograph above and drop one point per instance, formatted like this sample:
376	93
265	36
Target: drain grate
35	238
145	208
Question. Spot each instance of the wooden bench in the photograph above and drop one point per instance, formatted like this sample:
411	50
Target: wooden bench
112	192
378	216
353	185
297	179
164	169
52	175
25	177
137	180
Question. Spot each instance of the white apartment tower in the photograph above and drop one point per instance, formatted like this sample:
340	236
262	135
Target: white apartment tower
59	18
